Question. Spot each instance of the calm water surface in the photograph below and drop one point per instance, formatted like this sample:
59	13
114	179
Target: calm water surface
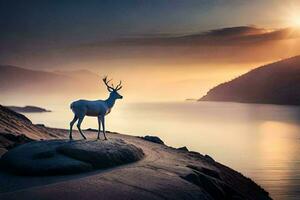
261	141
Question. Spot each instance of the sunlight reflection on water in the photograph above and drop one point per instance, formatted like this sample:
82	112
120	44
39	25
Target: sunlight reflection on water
261	141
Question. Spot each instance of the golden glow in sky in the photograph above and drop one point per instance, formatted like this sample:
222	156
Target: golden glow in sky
290	14
222	40
295	19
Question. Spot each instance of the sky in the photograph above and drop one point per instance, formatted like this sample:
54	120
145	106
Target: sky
185	46
79	21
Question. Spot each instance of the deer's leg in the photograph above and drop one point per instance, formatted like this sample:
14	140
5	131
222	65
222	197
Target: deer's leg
78	126
99	127
103	127
71	126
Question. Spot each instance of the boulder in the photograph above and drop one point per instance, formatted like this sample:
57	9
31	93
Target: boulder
209	158
8	140
58	157
215	188
184	148
153	139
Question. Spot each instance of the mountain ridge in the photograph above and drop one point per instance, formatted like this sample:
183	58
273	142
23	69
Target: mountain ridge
275	83
22	81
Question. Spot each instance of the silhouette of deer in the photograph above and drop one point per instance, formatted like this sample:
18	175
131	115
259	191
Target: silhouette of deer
98	108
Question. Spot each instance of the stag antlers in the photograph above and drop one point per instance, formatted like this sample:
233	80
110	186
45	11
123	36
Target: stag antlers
112	88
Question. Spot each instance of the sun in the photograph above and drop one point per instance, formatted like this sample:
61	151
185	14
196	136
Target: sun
294	19
290	15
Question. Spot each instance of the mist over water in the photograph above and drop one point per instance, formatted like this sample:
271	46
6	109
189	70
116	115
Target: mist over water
261	141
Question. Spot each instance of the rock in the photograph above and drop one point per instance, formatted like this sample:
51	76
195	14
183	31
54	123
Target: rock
2	151
102	155
208	158
195	154
206	171
91	129
53	157
8	111
216	189
183	148
96	130
9	141
16	124
209	185
41	125
153	139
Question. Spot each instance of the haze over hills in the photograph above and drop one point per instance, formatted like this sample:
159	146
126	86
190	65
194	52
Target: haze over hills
17	78
275	83
20	82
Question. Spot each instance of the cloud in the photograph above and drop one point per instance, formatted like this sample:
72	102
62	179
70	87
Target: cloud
232	36
232	46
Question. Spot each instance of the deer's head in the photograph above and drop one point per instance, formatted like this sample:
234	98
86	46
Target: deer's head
113	90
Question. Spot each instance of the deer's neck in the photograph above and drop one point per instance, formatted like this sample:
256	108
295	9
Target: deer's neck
110	101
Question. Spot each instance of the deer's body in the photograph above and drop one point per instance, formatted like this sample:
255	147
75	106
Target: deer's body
90	108
97	108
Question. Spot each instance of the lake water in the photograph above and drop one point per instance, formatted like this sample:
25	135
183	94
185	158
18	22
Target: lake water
261	141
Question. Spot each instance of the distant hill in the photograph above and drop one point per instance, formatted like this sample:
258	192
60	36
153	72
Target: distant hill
21	81
28	109
276	83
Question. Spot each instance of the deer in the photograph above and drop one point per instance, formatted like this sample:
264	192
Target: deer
97	108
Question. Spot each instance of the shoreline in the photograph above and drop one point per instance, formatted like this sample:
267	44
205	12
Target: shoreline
188	172
163	173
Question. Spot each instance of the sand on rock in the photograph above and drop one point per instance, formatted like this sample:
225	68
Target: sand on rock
57	157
